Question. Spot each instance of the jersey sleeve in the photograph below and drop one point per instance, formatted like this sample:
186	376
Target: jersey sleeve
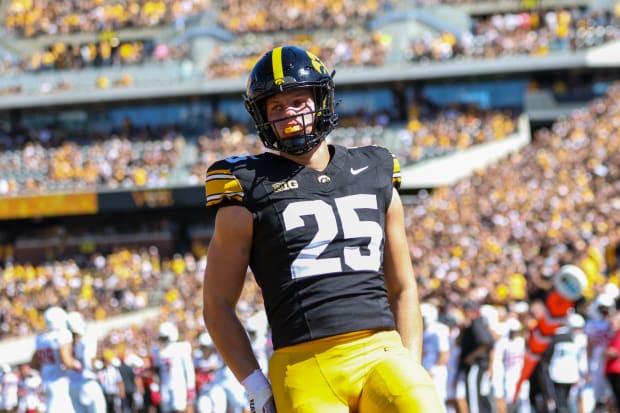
222	188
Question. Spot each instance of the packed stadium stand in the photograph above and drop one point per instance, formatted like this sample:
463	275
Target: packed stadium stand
504	115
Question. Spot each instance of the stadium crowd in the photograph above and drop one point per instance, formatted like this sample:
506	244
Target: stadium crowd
104	53
142	157
240	16
535	33
454	128
31	19
353	48
553	202
97	285
116	162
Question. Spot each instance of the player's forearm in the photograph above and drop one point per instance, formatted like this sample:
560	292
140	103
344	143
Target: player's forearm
231	341
400	279
444	357
67	359
406	309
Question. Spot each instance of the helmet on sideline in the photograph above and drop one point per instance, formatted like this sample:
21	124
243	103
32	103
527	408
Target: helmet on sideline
291	68
168	332
76	323
55	318
570	281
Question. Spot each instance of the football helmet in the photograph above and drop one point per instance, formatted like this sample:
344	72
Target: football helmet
570	282
168	332
285	68
55	318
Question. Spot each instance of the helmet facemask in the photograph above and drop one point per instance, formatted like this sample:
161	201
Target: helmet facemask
310	136
300	70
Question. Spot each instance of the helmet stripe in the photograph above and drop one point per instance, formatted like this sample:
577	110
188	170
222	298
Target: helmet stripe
276	64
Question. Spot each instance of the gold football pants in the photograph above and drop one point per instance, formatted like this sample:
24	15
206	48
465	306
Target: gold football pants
363	372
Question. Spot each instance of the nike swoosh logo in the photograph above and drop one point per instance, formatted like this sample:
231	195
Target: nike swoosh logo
359	170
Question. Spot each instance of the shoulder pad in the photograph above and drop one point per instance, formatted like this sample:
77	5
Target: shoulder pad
383	158
222	186
396	174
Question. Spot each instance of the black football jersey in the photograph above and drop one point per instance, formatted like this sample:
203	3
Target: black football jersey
317	251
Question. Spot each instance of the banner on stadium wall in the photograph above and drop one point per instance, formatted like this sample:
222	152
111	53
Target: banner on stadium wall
48	206
52	205
160	198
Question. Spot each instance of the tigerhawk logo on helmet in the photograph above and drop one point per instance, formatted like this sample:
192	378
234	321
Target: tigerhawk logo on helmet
287	68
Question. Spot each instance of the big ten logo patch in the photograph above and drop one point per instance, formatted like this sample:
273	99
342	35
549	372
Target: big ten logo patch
285	186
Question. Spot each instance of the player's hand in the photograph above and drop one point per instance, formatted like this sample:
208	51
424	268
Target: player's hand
262	401
260	394
191	395
77	366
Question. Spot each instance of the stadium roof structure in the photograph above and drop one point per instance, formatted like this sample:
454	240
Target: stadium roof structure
180	79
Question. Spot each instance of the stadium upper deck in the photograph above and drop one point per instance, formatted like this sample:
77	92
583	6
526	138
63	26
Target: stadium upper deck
184	63
165	48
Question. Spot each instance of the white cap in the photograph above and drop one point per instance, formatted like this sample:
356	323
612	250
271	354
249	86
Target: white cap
133	360
521	307
604	300
55	318
611	290
429	312
168	331
512	324
76	323
205	340
576	320
490	313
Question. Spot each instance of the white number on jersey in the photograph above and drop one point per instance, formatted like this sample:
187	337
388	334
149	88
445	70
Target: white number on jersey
308	263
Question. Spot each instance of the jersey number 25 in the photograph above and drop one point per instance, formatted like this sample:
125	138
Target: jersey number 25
308	263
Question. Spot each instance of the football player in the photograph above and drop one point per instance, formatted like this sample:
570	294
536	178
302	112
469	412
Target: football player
322	228
177	377
53	355
84	389
9	383
435	348
218	391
